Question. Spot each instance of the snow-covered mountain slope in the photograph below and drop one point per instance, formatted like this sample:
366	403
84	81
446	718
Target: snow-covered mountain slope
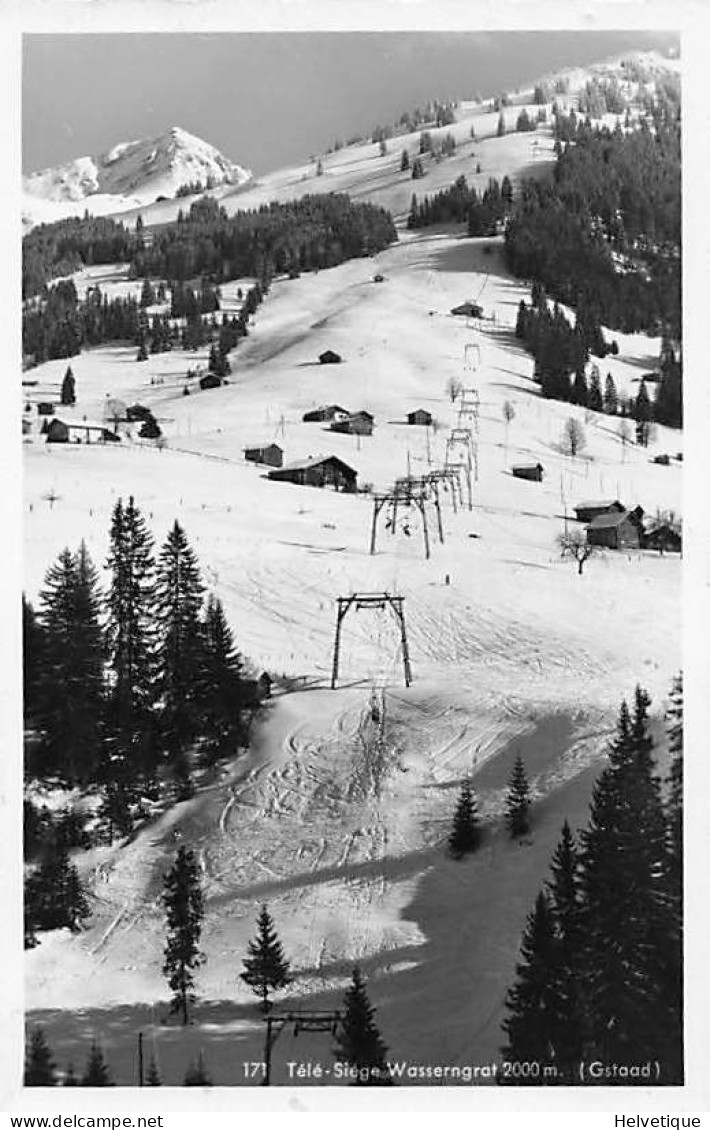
130	175
511	651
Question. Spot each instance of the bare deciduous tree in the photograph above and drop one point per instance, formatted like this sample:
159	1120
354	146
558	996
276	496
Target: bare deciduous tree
453	388
573	543
508	415
573	439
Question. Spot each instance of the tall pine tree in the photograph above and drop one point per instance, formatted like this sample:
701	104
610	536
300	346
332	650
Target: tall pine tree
531	1024
218	682
179	592
517	803
68	393
466	833
674	872
567	976
96	1073
70	679
627	925
184	909
54	895
131	645
40	1069
265	969
358	1040
611	399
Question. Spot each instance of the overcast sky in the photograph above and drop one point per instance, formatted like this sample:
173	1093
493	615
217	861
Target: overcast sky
269	99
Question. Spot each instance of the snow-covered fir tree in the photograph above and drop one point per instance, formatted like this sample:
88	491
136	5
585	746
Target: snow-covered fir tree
265	968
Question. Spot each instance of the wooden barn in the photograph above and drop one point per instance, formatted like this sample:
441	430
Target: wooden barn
271	454
664	460
588	511
419	416
468	310
615	530
44	408
329	357
325	413
79	431
359	424
318	471
531	471
211	380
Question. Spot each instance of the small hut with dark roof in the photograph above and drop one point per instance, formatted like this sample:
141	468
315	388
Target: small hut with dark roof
468	310
270	453
419	416
324	413
531	471
359	424
318	471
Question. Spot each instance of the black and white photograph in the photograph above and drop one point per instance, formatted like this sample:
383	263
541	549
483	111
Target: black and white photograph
352	507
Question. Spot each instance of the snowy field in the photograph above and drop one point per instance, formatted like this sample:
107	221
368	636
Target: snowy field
342	837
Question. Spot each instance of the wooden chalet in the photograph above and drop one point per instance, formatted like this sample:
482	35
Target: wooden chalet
358	424
271	454
615	530
325	413
79	431
45	408
211	380
329	357
318	471
468	310
419	416
663	460
588	511
532	471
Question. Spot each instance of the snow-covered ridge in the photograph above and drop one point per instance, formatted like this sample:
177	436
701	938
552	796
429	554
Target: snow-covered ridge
130	174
